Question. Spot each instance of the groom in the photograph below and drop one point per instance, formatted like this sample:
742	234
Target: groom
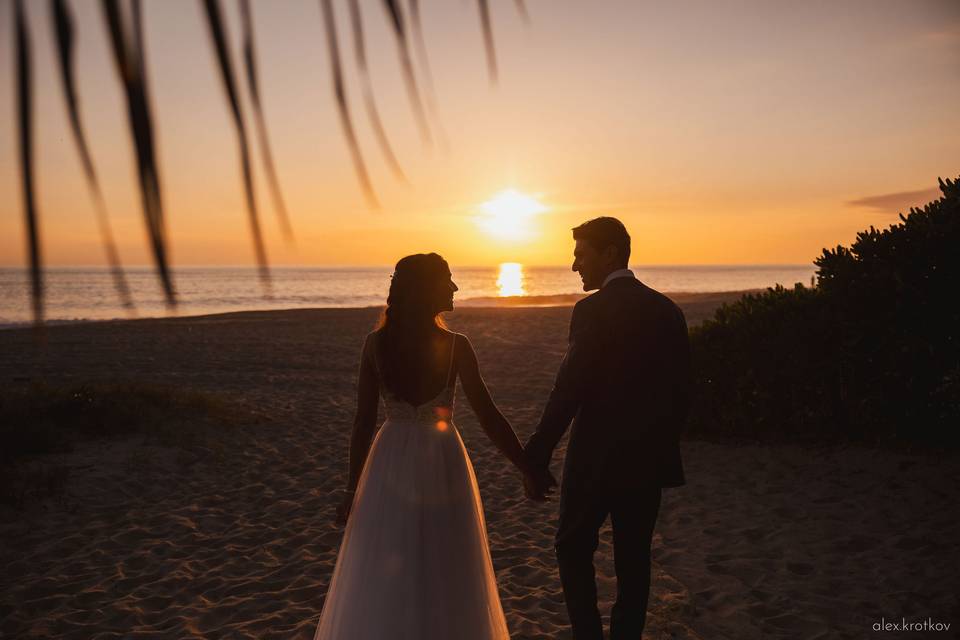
624	382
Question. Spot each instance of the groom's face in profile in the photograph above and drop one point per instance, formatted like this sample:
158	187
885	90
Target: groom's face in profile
592	265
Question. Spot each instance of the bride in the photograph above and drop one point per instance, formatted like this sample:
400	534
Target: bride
414	562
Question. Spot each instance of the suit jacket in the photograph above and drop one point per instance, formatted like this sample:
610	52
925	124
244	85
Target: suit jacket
625	382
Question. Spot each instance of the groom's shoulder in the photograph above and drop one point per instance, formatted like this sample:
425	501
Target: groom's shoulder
586	303
666	308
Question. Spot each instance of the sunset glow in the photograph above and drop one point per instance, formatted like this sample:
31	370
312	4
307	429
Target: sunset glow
723	146
509	215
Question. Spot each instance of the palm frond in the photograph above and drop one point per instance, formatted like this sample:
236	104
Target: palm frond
484	7
340	94
250	60
129	54
395	14
522	10
129	57
219	37
63	32
356	19
24	89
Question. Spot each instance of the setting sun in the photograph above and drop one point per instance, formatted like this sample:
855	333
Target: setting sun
508	215
510	279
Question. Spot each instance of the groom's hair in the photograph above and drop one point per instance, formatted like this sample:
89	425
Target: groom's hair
604	231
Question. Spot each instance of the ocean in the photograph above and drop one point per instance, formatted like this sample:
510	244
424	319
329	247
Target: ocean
87	293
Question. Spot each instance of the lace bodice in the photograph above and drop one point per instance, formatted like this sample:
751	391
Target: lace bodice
440	409
435	411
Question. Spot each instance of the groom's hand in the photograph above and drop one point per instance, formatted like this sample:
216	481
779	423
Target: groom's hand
532	490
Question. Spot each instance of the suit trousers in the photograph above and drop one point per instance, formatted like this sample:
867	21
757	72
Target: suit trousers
633	513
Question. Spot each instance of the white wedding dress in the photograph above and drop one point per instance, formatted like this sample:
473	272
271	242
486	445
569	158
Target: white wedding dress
414	563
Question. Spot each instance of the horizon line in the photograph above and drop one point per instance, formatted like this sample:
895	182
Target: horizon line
254	267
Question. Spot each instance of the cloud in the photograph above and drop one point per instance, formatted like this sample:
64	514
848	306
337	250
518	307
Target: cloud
899	202
945	34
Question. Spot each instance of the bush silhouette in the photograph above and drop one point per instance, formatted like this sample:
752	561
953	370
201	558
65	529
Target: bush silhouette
871	353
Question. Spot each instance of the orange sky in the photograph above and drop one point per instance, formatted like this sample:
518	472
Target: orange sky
749	132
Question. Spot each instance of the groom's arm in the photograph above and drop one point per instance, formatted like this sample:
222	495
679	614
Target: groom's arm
567	392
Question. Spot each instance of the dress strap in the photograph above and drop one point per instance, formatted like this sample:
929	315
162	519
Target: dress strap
453	344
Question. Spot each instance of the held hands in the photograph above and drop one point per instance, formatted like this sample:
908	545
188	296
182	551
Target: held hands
539	487
538	483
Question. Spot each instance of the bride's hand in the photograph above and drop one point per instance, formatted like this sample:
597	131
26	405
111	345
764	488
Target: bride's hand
343	509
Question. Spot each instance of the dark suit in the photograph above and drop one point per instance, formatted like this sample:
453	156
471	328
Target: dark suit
625	383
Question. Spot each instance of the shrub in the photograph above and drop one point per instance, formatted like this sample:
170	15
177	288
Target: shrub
871	352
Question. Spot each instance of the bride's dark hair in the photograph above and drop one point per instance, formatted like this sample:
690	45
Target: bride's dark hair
410	319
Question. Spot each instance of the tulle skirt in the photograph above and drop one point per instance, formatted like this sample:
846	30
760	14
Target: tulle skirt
414	562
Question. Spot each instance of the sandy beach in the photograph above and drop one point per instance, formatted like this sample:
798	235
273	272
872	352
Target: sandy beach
765	541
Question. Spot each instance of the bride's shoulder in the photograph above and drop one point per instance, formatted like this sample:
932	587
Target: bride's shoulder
462	348
458	338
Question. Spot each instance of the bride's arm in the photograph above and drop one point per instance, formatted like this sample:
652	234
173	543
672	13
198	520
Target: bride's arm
494	424
365	420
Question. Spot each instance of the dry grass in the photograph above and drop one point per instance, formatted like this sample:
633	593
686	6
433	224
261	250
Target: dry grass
40	424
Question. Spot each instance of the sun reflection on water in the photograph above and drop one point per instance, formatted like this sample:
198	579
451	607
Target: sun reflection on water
510	280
